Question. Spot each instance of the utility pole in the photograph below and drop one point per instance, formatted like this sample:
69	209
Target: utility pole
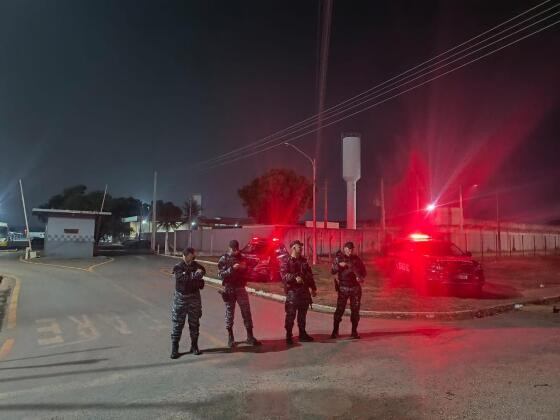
498	239
461	222
314	165
154	206
25	215
325	209
103	201
382	197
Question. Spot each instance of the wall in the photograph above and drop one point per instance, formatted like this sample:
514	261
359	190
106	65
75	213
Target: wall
59	244
479	241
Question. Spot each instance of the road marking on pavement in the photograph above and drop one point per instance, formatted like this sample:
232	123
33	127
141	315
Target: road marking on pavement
89	269
12	311
50	327
86	329
6	347
116	322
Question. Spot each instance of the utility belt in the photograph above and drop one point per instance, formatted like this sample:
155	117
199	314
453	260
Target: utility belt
229	292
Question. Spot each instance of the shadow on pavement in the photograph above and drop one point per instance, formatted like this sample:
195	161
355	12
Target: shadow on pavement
324	403
345	337
60	353
267	346
77	362
112	369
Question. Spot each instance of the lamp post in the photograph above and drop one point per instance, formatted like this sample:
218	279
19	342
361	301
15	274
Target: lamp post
462	222
314	165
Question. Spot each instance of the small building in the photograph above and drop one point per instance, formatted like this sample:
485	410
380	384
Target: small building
69	233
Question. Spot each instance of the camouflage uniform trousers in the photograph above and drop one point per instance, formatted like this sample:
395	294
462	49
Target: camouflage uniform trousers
185	305
239	295
355	296
296	304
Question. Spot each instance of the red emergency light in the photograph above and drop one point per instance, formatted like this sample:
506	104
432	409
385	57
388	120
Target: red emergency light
419	237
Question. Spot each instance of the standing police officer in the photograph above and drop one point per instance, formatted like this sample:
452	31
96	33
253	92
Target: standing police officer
351	272
298	280
186	301
232	269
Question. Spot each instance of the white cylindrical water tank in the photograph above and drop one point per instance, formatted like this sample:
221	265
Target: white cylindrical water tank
351	173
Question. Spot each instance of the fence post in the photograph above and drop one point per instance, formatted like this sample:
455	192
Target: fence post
534	245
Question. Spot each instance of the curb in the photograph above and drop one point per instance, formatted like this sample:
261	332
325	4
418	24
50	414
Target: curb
5	291
443	316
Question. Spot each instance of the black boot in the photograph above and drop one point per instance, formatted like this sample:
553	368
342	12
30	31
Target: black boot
194	346
335	329
251	340
289	339
231	340
303	336
355	334
174	349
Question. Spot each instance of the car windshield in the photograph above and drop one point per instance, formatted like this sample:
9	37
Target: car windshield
255	248
438	249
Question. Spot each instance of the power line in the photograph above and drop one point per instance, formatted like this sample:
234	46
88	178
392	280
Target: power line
234	159
305	123
274	138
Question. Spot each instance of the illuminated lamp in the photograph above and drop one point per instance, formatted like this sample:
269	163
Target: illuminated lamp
419	237
431	207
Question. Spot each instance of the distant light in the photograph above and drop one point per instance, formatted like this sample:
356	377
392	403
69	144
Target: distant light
144	222
237	225
275	239
419	236
255	238
193	223
431	207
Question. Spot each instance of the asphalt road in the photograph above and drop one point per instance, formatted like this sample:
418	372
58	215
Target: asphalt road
96	345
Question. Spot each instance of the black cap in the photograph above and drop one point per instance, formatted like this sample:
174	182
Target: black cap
296	242
188	251
233	244
349	245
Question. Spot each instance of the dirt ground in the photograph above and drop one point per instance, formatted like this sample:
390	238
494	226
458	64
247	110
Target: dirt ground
508	279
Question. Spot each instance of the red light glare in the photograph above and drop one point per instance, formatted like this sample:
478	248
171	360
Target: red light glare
255	238
275	239
430	207
419	237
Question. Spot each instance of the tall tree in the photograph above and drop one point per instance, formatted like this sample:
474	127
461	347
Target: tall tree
191	209
169	217
279	196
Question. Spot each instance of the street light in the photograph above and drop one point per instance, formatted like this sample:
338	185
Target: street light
430	207
461	204
314	165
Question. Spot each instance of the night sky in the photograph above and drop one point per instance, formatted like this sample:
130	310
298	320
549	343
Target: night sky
104	92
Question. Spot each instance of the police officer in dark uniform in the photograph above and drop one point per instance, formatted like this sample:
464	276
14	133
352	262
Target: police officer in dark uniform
232	269
186	301
298	280
350	271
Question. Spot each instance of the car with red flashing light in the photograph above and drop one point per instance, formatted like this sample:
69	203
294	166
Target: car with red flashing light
263	257
434	265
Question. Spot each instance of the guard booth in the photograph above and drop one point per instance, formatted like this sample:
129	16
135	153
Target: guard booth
69	233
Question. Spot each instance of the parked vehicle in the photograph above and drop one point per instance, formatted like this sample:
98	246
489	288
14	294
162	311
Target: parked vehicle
264	256
432	265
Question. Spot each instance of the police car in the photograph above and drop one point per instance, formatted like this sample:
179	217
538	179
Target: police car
433	265
264	256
